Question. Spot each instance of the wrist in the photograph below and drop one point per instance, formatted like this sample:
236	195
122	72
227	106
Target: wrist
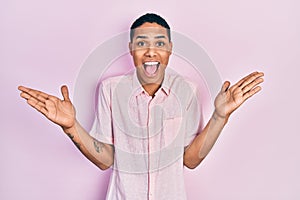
217	117
71	129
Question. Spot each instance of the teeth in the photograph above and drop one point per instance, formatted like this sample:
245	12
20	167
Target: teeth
151	63
151	67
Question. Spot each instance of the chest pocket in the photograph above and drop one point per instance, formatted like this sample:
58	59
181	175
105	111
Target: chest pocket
172	130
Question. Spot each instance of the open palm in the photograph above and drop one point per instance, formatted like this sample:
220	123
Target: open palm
230	98
61	112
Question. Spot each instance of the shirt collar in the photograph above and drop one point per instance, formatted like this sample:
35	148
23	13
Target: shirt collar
166	84
138	88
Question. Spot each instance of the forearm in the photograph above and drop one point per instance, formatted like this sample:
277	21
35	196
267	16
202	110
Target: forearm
204	142
99	153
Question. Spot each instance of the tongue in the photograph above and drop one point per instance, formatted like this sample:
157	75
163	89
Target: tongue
151	69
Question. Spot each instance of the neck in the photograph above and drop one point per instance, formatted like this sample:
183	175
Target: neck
151	88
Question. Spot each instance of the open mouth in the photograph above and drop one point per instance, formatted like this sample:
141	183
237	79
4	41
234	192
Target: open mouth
151	67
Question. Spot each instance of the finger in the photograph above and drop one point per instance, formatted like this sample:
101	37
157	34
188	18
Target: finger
65	92
240	82
251	78
253	84
38	105
31	98
252	92
25	95
225	86
22	88
41	96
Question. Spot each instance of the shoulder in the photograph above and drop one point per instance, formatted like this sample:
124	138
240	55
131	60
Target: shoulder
112	82
179	83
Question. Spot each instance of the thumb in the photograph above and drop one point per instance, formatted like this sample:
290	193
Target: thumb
225	86
65	92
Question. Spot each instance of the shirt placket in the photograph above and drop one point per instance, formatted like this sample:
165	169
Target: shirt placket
150	102
145	110
151	187
151	129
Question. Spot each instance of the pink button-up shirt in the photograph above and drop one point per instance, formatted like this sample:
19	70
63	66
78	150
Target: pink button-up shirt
149	135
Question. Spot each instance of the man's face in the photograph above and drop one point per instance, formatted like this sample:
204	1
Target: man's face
150	49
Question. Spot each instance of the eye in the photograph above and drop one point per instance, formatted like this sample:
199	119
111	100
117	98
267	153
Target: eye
141	44
160	44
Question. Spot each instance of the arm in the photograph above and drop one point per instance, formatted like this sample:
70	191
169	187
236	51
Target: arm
226	102
99	153
62	113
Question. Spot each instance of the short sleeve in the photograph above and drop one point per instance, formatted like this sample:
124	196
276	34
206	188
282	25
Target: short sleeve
102	126
193	117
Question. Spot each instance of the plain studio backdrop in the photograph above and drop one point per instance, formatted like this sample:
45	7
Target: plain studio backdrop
43	44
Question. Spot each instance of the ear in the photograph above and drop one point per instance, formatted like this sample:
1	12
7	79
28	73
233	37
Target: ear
171	48
130	47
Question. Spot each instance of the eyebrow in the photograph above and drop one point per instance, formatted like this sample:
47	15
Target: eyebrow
144	37
141	37
159	36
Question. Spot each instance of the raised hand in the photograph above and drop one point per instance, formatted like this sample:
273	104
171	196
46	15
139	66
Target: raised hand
230	98
61	112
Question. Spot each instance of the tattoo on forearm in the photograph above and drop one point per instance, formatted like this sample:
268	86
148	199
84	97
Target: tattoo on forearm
214	117
76	143
98	146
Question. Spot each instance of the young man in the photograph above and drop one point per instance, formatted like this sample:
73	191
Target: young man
148	123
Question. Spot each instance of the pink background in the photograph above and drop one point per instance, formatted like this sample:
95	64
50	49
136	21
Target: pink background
44	43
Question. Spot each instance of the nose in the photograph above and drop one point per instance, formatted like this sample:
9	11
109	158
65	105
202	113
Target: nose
150	52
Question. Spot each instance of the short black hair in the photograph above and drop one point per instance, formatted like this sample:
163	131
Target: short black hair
151	18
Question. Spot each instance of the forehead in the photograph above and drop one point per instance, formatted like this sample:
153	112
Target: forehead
150	30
